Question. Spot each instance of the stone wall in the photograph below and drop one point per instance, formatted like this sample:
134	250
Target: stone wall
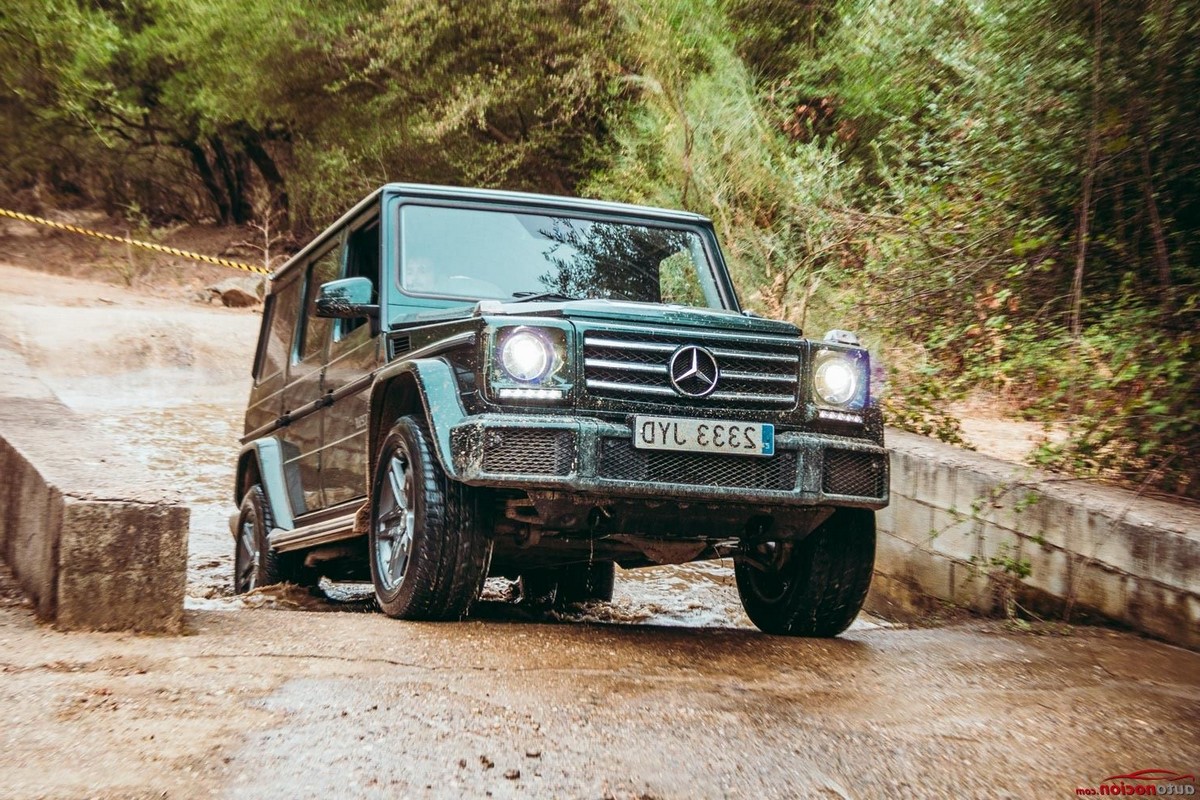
965	528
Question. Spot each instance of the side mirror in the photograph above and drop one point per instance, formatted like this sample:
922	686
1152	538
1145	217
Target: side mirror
349	298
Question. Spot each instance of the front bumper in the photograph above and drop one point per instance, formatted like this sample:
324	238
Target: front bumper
586	455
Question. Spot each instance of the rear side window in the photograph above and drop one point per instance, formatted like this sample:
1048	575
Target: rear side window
316	329
281	314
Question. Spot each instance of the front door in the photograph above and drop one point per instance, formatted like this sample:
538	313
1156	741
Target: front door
353	356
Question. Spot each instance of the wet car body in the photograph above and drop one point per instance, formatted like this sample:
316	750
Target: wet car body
611	454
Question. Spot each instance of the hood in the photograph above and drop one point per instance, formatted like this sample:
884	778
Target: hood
640	313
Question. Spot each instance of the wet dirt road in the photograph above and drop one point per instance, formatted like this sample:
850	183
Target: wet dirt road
666	693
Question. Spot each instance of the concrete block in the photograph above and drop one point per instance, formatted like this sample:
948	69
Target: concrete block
1163	612
911	521
1177	562
85	541
122	566
905	468
885	518
1049	568
1117	554
935	483
957	535
1104	591
929	572
972	493
996	542
971	587
32	514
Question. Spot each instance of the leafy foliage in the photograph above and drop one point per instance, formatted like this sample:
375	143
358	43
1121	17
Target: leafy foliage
998	195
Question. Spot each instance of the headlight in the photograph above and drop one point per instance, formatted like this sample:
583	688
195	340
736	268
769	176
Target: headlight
529	363
526	357
840	378
835	381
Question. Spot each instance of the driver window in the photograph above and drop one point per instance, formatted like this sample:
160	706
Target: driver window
315	330
362	261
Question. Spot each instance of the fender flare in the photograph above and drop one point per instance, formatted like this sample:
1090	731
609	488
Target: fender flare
265	457
427	386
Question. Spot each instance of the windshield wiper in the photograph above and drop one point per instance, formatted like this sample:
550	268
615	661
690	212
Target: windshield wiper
529	297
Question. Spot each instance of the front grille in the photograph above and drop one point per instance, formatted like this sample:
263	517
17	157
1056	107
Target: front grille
852	473
755	371
528	451
620	460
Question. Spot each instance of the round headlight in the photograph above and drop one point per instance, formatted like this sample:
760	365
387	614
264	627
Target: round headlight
836	381
526	356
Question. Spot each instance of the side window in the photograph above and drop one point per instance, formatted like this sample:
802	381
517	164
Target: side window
315	329
362	261
281	314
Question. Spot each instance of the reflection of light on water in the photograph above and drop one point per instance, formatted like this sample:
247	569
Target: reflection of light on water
700	594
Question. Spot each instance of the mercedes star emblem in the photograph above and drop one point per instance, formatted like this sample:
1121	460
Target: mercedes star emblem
694	371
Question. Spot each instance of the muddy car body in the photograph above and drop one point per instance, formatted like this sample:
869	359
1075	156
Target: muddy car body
454	383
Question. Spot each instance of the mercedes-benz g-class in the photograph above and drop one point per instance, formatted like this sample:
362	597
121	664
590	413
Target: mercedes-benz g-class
454	383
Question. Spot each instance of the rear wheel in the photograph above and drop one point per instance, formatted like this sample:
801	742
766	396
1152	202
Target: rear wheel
254	562
429	551
814	587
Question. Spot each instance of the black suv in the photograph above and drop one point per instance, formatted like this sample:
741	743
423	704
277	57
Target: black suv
454	383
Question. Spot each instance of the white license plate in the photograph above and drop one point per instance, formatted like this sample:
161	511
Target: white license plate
704	436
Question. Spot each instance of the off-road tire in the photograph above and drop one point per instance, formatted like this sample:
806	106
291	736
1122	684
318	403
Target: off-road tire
820	587
272	567
450	550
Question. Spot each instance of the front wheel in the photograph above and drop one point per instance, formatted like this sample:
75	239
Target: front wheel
429	551
814	587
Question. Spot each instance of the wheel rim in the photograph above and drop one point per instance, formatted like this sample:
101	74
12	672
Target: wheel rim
249	556
395	522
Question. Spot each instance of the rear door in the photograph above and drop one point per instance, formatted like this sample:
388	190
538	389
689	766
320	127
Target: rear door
302	398
280	315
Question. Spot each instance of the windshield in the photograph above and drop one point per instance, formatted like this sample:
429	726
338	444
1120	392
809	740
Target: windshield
508	255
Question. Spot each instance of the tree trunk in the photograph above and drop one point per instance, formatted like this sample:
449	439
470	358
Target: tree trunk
209	179
1156	231
1089	178
233	176
252	141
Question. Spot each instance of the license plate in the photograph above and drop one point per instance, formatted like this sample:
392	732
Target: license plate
704	436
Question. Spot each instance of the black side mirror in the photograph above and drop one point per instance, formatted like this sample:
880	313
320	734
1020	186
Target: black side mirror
349	298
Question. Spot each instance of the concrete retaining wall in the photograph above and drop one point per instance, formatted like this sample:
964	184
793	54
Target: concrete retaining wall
90	548
962	527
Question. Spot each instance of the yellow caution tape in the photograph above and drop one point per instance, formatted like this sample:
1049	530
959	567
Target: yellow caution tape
160	248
